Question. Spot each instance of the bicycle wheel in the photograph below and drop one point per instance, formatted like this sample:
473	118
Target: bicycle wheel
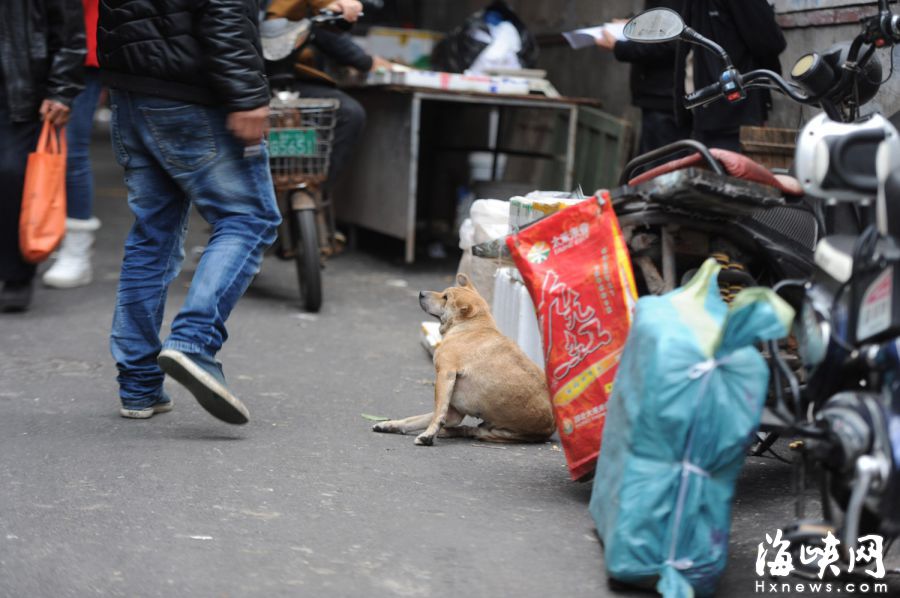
309	265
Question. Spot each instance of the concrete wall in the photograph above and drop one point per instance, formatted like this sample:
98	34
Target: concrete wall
816	25
808	25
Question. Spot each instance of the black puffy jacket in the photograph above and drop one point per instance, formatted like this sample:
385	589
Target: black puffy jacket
200	51
42	49
749	33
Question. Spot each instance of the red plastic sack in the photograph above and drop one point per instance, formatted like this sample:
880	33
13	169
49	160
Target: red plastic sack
578	272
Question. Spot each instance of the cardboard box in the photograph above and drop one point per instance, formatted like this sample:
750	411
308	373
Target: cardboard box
535	206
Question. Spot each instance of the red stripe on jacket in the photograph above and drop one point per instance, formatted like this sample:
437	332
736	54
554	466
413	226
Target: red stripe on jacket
91	12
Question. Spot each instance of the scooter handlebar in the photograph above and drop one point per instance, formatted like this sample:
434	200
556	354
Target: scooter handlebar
702	97
732	86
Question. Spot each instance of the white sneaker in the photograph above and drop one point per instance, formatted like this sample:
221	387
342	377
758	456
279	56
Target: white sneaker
73	260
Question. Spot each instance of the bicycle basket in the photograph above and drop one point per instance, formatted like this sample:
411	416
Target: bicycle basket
300	139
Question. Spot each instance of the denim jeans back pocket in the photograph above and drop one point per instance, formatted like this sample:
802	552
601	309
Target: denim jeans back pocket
182	134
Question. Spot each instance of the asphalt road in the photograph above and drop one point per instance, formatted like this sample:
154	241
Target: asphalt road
305	500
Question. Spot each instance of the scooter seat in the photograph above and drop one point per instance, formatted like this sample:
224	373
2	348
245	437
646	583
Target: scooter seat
700	192
736	165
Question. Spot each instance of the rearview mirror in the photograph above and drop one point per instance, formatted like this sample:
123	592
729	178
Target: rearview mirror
655	26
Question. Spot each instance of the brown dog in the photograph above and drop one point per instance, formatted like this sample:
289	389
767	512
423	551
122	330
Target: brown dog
480	373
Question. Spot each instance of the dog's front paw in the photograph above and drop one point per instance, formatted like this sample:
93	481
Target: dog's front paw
424	440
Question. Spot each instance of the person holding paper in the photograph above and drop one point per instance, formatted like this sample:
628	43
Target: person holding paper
652	82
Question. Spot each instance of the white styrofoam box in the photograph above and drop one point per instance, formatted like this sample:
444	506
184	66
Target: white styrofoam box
503	306
514	313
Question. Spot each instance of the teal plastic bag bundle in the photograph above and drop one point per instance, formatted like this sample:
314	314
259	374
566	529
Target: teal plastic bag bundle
687	397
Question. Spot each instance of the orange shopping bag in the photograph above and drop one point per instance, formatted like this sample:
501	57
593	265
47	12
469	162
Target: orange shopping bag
42	223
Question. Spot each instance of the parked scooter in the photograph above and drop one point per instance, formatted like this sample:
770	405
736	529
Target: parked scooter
300	146
762	233
675	221
846	412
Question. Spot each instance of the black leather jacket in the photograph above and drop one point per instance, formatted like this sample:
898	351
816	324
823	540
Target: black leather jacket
199	51
42	50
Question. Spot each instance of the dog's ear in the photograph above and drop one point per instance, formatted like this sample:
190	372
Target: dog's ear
463	281
468	310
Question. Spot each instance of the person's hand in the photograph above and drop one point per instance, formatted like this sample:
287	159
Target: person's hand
56	112
249	125
351	9
607	40
380	63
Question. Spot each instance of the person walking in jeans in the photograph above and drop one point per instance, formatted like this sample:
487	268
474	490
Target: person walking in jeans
189	104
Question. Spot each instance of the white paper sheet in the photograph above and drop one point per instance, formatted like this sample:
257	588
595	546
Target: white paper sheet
587	36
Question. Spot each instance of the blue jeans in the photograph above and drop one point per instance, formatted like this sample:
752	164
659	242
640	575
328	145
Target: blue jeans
177	154
79	178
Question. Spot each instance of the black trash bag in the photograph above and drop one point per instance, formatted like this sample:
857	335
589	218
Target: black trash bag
462	46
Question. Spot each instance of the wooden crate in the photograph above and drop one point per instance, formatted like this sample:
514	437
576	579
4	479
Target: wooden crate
602	146
771	147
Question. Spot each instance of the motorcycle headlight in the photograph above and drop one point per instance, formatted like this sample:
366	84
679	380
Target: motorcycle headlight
813	332
813	73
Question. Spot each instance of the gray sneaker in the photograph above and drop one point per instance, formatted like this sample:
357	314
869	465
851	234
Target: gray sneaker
164	405
203	377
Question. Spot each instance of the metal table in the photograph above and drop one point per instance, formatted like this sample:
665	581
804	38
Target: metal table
379	190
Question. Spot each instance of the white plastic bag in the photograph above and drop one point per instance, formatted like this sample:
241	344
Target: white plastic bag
490	217
503	50
488	220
